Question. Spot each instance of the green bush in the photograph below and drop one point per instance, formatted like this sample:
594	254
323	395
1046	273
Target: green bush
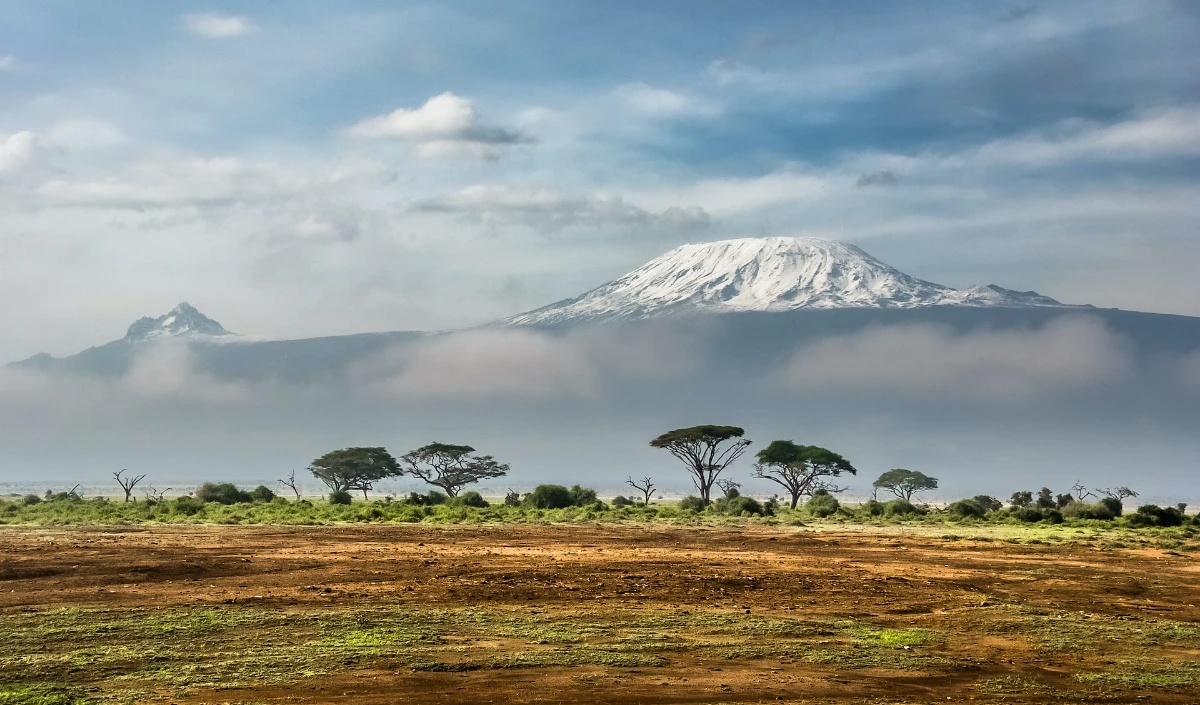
621	501
1027	513
967	509
822	504
512	499
187	506
30	500
1154	515
262	493
221	493
874	507
550	497
692	502
429	499
1086	510
738	505
988	502
902	508
470	499
340	497
582	496
1114	505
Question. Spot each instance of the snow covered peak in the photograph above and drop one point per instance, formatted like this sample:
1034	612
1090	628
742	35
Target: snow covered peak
183	320
765	274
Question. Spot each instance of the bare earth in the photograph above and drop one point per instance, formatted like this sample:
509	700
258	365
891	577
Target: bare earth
590	614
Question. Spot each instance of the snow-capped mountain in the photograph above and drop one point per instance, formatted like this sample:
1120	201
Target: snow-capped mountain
766	274
183	320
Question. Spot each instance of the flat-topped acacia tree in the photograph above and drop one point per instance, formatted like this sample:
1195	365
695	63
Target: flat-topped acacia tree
800	470
451	467
905	483
706	451
354	468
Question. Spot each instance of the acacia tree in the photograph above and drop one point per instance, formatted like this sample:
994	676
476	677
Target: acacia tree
905	483
645	486
354	468
801	470
706	451
451	467
127	483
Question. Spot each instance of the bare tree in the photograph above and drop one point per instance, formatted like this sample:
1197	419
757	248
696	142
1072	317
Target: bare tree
156	495
1118	493
127	483
646	487
1080	491
291	484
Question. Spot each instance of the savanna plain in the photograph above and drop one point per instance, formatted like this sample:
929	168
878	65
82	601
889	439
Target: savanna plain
593	612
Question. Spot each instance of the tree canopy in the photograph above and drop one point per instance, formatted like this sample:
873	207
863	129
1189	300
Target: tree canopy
905	483
799	469
354	468
451	467
706	451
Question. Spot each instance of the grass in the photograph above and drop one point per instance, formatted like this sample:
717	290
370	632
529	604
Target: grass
1145	674
140	652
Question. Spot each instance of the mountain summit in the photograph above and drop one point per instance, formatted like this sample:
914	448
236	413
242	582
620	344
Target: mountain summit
766	274
183	320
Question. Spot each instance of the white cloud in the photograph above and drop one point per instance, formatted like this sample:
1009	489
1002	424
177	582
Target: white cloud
446	125
17	151
86	134
1067	353
549	210
213	26
1153	135
659	102
167	182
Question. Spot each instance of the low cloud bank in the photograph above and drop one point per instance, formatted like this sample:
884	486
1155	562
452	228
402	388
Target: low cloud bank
1069	353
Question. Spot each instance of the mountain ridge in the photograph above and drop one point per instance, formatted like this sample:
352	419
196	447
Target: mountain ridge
766	274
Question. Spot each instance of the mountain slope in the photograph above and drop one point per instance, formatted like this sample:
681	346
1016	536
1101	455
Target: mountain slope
766	274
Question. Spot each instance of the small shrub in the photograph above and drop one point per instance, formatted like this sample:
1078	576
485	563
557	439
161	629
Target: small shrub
340	497
221	493
1052	516
550	497
30	500
262	493
512	499
470	499
582	496
692	502
822	504
621	501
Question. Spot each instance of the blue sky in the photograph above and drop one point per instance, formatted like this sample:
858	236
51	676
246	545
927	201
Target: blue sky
300	169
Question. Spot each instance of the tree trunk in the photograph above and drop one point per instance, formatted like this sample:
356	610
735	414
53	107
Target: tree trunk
127	494
795	499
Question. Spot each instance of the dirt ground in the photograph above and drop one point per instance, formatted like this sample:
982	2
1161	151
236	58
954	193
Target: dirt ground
588	614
